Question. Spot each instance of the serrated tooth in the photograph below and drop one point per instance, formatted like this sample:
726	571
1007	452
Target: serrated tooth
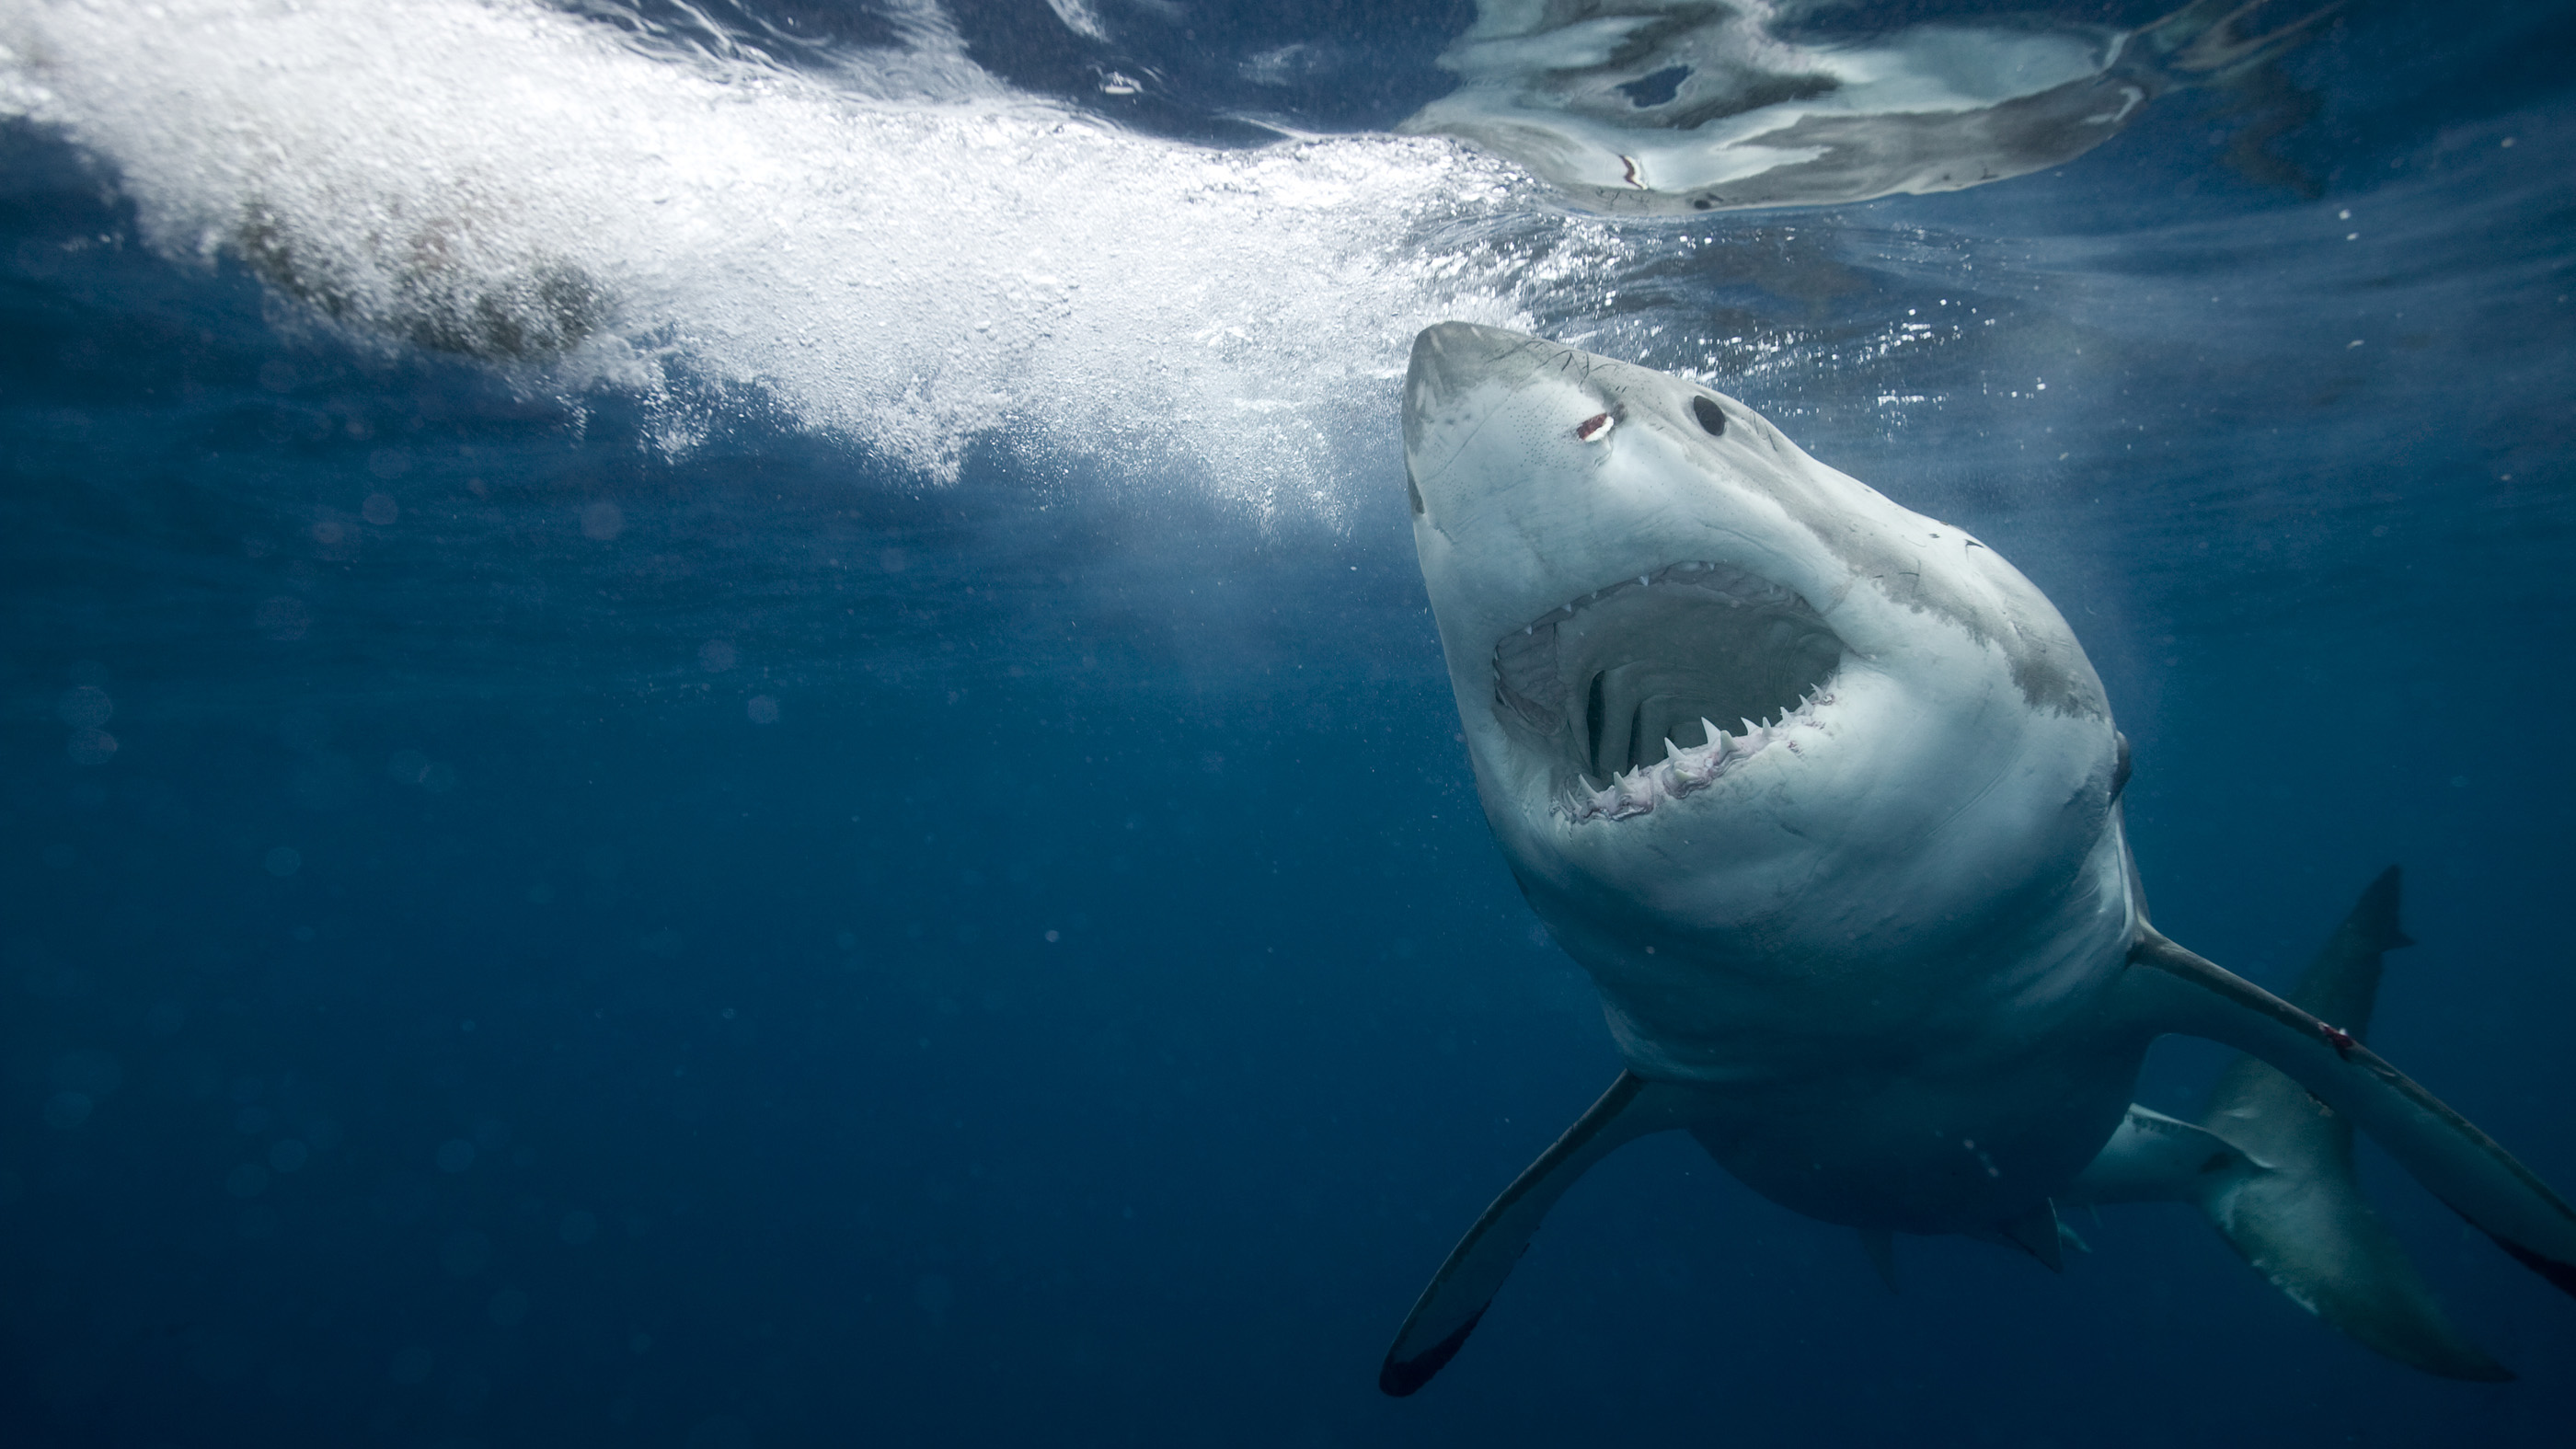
1670	749
1750	728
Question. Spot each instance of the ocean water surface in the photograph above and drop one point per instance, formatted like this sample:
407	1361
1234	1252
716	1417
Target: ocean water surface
717	727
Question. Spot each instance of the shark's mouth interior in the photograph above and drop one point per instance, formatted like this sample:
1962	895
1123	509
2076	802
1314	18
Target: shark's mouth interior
1610	678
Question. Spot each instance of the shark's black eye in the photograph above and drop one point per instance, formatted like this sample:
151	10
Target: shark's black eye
1712	418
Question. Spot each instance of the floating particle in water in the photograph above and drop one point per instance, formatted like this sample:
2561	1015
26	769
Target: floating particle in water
86	707
465	1254
716	656
455	1155
508	1307
762	709
380	509
577	1227
412	1365
287	1154
67	1110
305	730
283	861
282	619
247	1181
602	520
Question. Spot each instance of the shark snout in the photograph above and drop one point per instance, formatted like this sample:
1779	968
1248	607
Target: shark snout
1449	357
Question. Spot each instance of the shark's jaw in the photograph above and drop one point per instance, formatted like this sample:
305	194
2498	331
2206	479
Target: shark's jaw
1654	687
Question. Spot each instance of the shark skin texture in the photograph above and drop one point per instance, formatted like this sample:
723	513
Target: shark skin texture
1824	795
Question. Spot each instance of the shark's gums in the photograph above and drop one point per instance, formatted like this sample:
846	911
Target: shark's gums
1825	796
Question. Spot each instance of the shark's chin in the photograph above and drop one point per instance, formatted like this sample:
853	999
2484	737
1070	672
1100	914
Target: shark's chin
1629	684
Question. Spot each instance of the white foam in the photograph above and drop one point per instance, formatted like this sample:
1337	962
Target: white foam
907	254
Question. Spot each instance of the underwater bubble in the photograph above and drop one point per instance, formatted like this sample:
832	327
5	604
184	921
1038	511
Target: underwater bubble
465	1253
603	521
282	619
455	1155
935	1294
507	181
716	656
282	861
86	707
762	709
67	1110
507	1307
306	730
380	509
86	1070
90	747
412	1365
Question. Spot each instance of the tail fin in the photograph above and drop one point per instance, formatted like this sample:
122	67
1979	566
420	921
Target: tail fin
2303	1223
2272	1164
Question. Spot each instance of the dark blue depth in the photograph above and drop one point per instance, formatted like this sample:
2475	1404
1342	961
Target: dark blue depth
577	945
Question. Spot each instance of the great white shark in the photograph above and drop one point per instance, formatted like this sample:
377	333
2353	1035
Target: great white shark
1825	796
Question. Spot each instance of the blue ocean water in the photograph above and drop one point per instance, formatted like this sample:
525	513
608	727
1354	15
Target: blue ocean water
720	731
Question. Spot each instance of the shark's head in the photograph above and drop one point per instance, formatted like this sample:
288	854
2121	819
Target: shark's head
1714	689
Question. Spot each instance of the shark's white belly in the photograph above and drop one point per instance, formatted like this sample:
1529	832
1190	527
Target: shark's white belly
1930	1090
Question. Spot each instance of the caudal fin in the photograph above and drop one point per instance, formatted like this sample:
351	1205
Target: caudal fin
2301	1221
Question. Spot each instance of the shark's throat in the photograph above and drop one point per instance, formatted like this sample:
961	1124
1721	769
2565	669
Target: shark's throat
1628	683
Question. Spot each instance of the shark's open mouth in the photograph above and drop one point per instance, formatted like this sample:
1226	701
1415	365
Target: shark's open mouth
1629	681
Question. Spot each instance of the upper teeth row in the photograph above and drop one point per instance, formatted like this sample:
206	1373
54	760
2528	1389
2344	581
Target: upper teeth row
1683	771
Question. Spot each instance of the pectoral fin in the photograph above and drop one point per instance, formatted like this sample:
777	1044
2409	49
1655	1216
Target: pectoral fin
1448	1309
2177	991
2155	1158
